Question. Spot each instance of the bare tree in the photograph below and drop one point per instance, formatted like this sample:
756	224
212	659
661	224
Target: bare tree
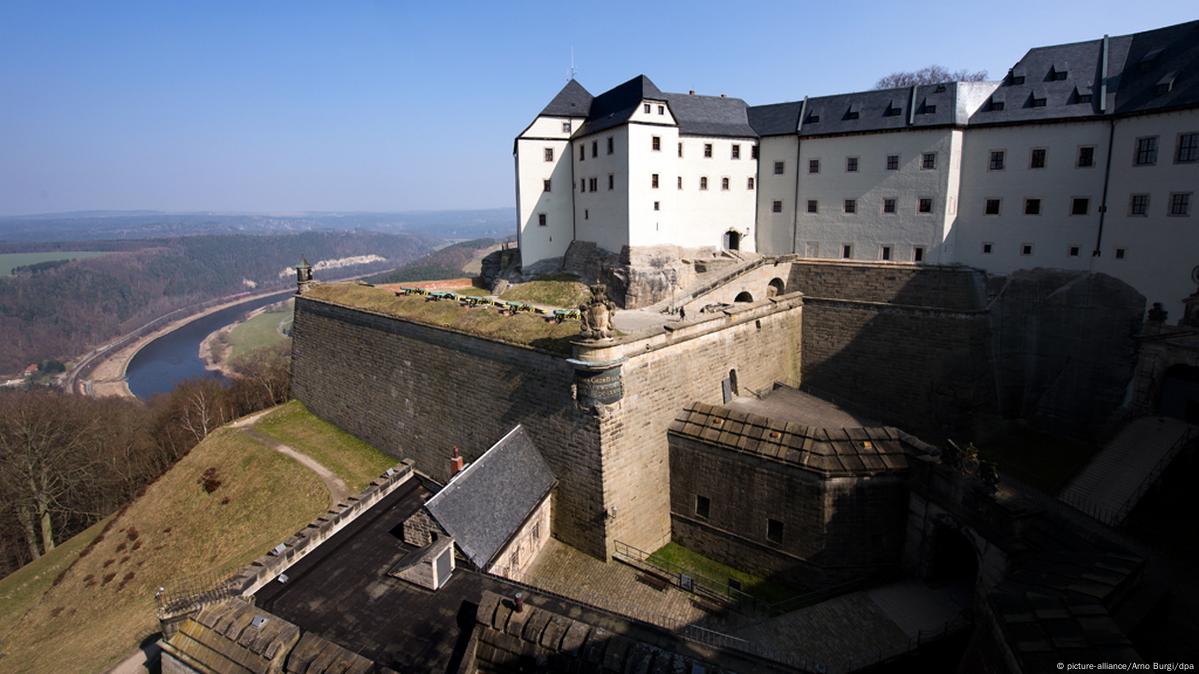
268	370
933	74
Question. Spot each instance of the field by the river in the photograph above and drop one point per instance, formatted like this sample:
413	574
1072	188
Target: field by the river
9	261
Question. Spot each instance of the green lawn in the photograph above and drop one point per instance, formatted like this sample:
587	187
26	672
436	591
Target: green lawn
675	557
10	260
351	459
556	291
261	331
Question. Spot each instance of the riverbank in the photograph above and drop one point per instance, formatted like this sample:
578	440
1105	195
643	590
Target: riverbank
260	328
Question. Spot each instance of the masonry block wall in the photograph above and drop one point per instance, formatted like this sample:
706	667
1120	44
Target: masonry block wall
657	384
952	288
416	392
841	525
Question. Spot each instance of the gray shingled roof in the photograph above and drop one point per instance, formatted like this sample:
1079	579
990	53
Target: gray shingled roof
616	105
711	115
572	101
1155	57
935	105
776	119
483	506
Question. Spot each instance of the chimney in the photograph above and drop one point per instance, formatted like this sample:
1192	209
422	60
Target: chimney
518	602
457	463
691	93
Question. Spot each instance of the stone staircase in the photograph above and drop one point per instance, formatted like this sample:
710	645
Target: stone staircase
711	273
1114	481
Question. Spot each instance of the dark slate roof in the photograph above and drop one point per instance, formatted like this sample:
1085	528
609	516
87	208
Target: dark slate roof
882	109
616	105
1156	57
711	115
483	506
572	101
776	119
828	451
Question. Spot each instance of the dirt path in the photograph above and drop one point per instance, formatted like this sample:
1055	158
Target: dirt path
338	491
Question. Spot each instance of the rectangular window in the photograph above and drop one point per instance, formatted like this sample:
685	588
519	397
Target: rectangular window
813	206
582	184
1026	249
1086	156
703	183
680	149
657	205
926	205
1037	160
594	184
851	206
680	182
749	183
582	152
661	109
1032	206
1146	151
1188	148
565	127
653	181
987	248
594	148
656	143
892	162
776	207
1120	253
885	253
992	207
549	154
1180	204
846	251
736	151
928	161
541	219
645	107
996	163
545	185
813	166
586	214
708	150
1138	205
1074	251
703	506
1038	102
779	167
753	151
917	253
851	164
537	531
611	181
889	205
724	184
611	145
1080	206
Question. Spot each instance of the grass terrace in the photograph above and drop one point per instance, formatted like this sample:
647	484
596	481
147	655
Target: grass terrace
349	458
524	329
675	557
556	291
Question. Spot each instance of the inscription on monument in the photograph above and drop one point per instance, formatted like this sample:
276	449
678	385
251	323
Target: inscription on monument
599	386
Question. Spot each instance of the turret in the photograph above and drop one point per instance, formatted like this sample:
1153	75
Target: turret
303	276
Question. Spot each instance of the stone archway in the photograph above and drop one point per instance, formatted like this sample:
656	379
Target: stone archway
732	240
743	296
775	287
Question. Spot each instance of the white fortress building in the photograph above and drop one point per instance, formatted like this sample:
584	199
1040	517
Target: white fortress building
1085	156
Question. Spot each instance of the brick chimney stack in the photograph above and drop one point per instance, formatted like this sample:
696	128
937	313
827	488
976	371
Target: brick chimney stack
457	463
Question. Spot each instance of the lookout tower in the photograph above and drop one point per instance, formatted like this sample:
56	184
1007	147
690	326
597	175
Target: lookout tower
303	276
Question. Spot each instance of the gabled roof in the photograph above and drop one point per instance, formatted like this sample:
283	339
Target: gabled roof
572	101
616	105
711	115
776	119
483	506
1156	57
881	109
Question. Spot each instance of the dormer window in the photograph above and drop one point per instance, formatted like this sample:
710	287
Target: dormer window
813	117
1037	99
1056	73
1149	59
940	88
853	112
1082	94
995	104
1015	77
892	110
1165	85
927	108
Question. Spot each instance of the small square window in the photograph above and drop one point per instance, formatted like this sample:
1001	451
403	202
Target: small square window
1120	253
1032	206
892	162
749	183
987	248
813	206
775	531
1037	159
1086	156
926	205
736	151
1080	206
776	207
885	253
541	219
703	507
813	166
661	109
653	181
1026	249
992	207
646	108
656	143
707	150
545	185
549	154
851	164
846	251
703	183
996	163
779	167
851	206
918	254
1138	205
611	145
928	161
724	184
889	205
1188	148
1180	204
657	205
1074	251
565	127
1146	154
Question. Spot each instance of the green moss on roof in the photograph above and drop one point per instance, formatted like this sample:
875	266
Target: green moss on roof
485	321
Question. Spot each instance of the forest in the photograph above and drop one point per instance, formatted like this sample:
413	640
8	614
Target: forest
63	311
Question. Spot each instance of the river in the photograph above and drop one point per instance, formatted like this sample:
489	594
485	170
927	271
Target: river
175	356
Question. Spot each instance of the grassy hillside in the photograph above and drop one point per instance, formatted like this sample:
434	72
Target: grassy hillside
348	457
88	604
261	331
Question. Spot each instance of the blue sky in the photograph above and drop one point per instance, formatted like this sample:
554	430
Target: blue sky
376	106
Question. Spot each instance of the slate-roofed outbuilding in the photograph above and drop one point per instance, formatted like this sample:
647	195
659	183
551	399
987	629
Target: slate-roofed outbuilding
485	505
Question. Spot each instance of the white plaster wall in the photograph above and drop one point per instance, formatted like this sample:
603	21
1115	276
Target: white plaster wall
536	242
1055	230
648	227
653	116
699	218
1160	249
776	231
869	228
603	216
